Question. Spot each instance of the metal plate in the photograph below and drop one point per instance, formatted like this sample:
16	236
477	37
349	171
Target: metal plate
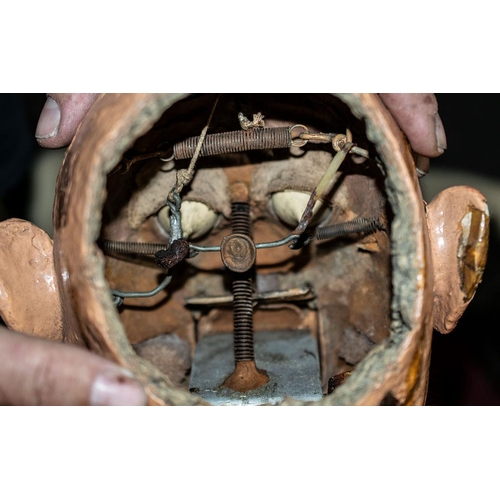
290	358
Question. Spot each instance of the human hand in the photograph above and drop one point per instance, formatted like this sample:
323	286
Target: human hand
43	372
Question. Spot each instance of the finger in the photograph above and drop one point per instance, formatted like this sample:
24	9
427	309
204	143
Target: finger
417	115
42	372
60	118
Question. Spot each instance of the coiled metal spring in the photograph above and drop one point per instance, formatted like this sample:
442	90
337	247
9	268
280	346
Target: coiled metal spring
243	319
131	247
240	218
242	288
359	225
235	141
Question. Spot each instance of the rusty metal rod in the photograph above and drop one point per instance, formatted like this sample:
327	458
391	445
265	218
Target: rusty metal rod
246	376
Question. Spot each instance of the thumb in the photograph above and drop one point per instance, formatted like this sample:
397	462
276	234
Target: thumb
418	117
60	118
42	372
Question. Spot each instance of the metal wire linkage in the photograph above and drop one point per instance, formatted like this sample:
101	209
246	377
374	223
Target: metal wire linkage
231	142
118	295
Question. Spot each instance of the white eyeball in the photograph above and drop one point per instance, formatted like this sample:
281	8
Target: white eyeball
290	205
196	217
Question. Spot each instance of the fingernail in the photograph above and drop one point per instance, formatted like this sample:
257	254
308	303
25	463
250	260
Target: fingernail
117	388
48	123
422	164
440	135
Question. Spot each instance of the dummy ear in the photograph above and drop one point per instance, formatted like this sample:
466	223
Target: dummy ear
29	294
458	222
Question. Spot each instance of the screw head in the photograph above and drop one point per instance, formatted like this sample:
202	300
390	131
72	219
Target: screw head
238	252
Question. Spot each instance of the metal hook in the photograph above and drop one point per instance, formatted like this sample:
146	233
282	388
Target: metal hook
298	142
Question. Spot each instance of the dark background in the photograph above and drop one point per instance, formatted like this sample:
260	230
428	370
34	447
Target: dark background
465	364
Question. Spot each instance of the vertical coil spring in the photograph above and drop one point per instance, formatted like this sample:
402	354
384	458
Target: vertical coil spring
240	218
243	319
242	291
